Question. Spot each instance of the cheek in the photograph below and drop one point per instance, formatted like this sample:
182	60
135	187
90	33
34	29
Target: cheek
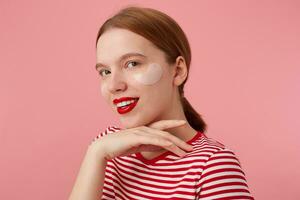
104	89
151	76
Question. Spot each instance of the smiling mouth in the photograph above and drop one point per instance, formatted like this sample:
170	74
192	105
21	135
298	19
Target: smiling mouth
126	106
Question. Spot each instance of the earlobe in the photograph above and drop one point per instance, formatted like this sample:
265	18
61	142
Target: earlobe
180	71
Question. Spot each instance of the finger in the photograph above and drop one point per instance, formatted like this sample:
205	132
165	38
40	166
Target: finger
159	141
173	148
165	124
177	141
150	140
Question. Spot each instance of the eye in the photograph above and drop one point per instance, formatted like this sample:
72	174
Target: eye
134	63
103	70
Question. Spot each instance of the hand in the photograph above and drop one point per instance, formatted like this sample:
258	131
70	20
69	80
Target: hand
143	138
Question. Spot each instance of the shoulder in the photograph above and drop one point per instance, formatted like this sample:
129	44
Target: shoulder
106	131
221	172
209	146
216	156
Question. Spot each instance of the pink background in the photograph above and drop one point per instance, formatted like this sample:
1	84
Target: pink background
244	80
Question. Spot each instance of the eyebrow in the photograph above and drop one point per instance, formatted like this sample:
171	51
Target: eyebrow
123	57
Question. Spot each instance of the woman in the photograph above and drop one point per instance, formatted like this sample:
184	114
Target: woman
143	60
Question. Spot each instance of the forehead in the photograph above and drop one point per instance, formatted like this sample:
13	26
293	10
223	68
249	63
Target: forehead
116	42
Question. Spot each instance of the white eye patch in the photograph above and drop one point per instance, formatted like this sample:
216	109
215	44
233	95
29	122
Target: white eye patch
151	76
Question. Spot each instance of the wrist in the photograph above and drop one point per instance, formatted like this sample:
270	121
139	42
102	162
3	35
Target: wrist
96	151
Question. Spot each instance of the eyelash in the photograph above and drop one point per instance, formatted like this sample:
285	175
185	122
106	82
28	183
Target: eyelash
136	64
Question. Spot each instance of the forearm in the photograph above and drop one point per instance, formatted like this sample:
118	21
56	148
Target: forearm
90	179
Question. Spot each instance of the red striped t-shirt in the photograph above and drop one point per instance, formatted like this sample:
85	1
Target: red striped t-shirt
209	171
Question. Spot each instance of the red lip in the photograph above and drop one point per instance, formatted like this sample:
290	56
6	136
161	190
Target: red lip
128	108
115	101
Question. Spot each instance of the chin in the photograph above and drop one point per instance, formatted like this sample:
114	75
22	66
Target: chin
132	123
126	123
141	118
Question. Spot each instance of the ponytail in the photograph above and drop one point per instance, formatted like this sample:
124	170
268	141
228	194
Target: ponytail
192	116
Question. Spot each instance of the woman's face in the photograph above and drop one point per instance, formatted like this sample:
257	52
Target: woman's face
143	74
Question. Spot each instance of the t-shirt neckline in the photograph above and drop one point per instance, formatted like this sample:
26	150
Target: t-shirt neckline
163	155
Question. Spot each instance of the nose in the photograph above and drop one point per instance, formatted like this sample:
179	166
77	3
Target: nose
117	82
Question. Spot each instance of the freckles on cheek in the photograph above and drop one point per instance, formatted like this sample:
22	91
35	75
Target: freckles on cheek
151	76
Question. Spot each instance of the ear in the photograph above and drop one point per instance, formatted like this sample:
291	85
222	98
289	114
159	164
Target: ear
180	71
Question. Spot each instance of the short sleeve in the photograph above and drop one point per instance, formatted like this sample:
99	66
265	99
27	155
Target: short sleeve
108	130
223	178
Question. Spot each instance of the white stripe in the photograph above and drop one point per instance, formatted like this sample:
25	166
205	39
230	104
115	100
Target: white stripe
222	160
224	188
207	178
222	167
227	195
224	181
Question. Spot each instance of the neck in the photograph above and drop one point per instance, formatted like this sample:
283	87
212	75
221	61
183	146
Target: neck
184	132
175	111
